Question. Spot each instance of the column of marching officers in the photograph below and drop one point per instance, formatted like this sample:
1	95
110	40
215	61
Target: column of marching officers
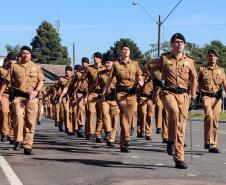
94	100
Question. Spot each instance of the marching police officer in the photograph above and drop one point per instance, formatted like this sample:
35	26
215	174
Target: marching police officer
145	108
6	127
211	80
26	79
129	78
109	105
179	74
93	97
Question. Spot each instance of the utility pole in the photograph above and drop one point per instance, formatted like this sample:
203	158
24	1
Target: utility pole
58	27
73	54
159	22
159	35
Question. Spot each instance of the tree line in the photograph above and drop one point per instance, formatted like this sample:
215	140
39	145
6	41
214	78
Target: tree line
47	48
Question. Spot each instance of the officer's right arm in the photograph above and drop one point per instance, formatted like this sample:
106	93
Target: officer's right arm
65	90
108	83
79	81
5	81
154	65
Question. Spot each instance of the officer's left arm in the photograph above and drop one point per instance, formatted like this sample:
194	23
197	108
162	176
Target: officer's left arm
224	82
193	80
140	78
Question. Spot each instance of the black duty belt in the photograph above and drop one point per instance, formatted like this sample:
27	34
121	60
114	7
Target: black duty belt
210	94
18	93
111	96
81	92
98	91
146	96
176	90
125	89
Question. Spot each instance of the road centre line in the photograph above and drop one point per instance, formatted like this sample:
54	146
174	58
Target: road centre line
9	173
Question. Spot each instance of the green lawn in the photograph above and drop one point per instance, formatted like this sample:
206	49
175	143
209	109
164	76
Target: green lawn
201	115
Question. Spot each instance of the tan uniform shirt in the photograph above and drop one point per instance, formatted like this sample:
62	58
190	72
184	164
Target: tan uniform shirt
77	77
147	87
211	78
103	78
63	81
91	74
25	77
175	72
126	73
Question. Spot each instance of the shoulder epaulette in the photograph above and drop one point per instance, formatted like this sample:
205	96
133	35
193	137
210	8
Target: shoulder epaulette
189	56
164	54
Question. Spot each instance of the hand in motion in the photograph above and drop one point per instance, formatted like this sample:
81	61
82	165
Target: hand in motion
33	94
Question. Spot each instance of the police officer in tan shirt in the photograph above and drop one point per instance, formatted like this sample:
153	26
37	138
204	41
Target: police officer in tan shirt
65	101
93	98
179	74
129	78
109	105
211	81
78	106
6	124
145	108
27	81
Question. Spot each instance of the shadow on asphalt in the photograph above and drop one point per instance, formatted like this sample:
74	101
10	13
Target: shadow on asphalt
103	163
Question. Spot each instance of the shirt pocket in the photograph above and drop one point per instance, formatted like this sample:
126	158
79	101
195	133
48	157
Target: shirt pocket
120	72
206	79
18	74
184	71
218	79
33	78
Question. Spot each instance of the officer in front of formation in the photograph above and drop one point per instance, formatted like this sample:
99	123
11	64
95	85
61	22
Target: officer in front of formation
26	79
129	77
211	81
179	74
6	123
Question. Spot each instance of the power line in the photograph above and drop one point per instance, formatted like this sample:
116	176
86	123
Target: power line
197	25
149	15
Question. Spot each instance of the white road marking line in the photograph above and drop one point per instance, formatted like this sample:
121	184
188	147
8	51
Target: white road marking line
224	150
135	157
9	173
159	164
197	145
149	145
224	163
197	156
191	175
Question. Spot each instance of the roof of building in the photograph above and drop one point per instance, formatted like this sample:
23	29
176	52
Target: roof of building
55	70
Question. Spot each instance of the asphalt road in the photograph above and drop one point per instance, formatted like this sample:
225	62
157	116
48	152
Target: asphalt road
63	160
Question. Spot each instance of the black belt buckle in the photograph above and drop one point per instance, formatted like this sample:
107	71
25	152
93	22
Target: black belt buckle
179	91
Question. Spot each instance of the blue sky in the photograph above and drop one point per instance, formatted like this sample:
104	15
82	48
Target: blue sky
94	25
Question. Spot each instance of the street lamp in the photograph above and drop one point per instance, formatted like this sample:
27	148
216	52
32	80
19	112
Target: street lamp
159	22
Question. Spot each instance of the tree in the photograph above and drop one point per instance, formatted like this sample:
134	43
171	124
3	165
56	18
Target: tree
46	46
15	49
115	51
